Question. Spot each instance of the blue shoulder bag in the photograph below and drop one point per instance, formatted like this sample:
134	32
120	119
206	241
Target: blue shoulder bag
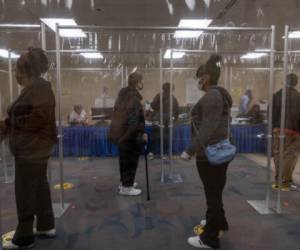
220	152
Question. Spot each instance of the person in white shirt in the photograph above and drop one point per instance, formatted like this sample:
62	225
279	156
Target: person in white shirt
245	102
78	116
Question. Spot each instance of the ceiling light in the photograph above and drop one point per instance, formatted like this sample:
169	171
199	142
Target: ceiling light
175	54
294	34
51	23
263	50
5	54
191	23
253	55
194	23
92	55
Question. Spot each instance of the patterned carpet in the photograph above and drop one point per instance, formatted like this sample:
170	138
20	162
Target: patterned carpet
100	219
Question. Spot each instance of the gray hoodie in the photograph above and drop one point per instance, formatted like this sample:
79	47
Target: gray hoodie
210	117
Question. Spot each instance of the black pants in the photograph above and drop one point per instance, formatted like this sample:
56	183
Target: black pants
129	153
156	139
214	180
32	198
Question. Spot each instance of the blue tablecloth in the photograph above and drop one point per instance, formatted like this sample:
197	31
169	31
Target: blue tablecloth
92	141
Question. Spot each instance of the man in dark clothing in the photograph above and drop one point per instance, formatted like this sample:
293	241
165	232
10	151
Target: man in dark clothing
127	131
155	106
291	129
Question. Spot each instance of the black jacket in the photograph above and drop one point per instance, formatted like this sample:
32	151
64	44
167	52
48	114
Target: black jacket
210	118
155	105
292	116
128	121
31	121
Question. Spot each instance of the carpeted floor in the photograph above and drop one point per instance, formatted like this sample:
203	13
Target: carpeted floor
100	219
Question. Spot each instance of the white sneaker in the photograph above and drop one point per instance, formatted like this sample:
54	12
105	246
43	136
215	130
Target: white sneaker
9	245
195	241
48	233
151	156
134	185
131	191
203	223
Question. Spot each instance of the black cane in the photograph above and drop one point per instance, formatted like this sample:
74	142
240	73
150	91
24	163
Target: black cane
147	174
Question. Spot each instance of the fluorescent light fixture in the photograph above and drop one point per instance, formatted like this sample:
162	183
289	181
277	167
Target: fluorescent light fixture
294	34
17	25
51	23
175	54
191	23
5	54
92	55
194	23
262	50
253	55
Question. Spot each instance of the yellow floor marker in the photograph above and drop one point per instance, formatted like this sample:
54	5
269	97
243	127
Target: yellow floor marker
7	237
199	229
83	158
66	186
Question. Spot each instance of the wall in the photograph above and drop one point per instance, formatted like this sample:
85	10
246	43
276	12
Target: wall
85	87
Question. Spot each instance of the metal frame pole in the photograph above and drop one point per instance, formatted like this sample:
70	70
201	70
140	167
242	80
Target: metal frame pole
226	85
161	122
122	77
10	78
44	47
171	115
126	76
282	122
230	78
60	129
11	95
270	115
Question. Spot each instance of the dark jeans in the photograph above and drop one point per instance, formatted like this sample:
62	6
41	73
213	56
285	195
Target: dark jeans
214	180
32	198
129	153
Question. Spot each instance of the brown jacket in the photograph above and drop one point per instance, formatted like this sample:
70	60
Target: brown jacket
31	121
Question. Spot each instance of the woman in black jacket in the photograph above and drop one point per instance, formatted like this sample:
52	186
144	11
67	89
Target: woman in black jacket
210	119
31	130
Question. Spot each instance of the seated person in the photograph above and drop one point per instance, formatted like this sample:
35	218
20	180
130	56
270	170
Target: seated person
255	115
78	116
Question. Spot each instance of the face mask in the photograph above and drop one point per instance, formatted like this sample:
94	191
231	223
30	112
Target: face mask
140	86
201	83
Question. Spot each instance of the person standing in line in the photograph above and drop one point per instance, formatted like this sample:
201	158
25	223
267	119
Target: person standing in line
245	102
291	130
155	106
210	119
127	131
31	130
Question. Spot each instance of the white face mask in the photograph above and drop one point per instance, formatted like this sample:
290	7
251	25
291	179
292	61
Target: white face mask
201	83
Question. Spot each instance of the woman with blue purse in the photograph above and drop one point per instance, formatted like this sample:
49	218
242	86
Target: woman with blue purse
213	150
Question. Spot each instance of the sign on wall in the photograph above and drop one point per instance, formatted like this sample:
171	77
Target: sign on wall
193	94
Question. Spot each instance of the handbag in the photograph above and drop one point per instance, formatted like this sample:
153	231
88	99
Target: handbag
221	152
